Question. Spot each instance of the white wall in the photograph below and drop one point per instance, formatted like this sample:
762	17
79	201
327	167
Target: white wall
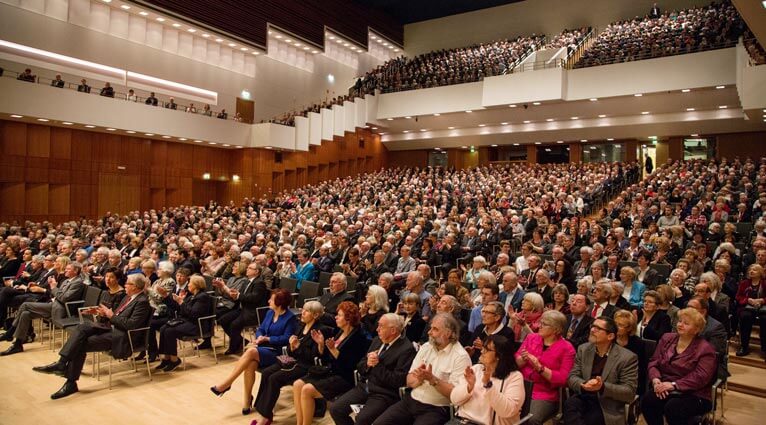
525	18
459	97
276	89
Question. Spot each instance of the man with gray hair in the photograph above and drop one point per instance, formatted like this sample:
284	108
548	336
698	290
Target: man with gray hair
132	313
70	289
382	372
435	371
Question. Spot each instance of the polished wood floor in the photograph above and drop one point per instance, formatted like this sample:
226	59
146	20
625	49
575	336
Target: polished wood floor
180	397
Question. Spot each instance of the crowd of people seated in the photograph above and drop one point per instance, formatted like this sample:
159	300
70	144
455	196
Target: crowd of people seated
459	285
108	91
671	33
288	118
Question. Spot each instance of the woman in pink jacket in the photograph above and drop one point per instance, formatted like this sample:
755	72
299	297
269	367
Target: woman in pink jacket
546	358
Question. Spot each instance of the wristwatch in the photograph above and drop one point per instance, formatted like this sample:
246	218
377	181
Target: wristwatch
488	384
675	387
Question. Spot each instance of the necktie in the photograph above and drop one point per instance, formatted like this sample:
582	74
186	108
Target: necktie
572	328
123	305
595	310
383	350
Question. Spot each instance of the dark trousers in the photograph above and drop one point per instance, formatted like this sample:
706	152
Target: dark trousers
374	406
169	336
583	409
411	411
236	323
747	318
676	409
155	325
273	378
86	338
10	297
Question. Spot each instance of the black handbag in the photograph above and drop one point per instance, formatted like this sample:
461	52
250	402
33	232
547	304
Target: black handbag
319	371
174	322
286	362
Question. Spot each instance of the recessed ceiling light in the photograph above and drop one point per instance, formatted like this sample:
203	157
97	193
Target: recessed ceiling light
206	35
720	87
212	143
408	117
689	109
695	135
538	143
482	125
396	50
183	139
287	40
130	132
278	36
527	121
66	123
226	145
602	116
536	103
106	1
494	146
593	99
469	111
559	141
593	148
125	7
686	90
232	45
255	53
437	149
160	19
503	123
389	119
17	116
315	51
177	25
422	129
332	37
149	134
111	129
549	120
406	131
90	126
219	40
645	113
638	95
511	106
515	144
244	49
575	118
269	147
436	115
547	149
610	139
583	140
451	127
375	128
192	30
722	107
42	120
338	40
166	137
198	141
143	13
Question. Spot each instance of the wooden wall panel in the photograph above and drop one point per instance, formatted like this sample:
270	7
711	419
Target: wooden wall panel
63	173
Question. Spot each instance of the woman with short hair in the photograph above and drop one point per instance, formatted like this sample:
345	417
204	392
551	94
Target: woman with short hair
527	320
374	306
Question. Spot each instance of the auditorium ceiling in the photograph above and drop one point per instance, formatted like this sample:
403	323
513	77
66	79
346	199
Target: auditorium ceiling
408	11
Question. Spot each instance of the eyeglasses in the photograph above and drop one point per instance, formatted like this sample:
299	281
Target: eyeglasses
487	350
489	312
598	328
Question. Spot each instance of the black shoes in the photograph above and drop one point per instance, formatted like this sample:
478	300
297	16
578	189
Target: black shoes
69	388
57	368
220	393
206	345
16	347
172	365
31	338
162	364
742	352
8	335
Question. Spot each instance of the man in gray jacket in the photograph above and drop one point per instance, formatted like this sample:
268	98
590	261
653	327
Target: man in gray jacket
603	379
71	289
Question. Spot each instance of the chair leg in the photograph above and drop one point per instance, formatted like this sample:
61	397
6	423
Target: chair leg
148	368
110	372
212	344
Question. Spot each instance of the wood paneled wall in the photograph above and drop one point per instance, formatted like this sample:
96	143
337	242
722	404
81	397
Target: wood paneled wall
58	174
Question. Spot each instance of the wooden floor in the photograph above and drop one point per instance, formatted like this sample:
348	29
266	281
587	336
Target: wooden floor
181	397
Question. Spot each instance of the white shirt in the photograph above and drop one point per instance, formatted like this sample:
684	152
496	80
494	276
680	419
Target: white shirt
505	398
447	364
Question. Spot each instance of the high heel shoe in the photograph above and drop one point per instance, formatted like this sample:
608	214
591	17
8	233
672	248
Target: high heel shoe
220	393
249	409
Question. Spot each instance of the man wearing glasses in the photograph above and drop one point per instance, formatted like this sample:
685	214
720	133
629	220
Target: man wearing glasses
603	379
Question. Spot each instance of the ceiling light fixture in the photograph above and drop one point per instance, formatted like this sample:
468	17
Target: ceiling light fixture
160	19
42	120
645	113
602	116
90	126
219	40
232	45
130	132
198	141
482	125
468	111
67	123
722	107
125	7
226	145
695	135
503	123
538	143
183	139
583	140
17	116
143	13
689	109
536	103
593	99
575	118
451	127
406	131
494	146
389	119
437	115
720	87
423	129
527	121
408	117
177	25
511	106
192	30
206	35
549	120
166	137
686	90
111	129
559	141
638	94
149	134
610	139
212	143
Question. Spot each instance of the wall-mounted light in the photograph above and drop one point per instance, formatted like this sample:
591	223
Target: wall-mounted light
206	176
245	94
235	178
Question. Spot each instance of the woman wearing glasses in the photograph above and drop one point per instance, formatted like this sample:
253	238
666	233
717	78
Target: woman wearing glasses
546	358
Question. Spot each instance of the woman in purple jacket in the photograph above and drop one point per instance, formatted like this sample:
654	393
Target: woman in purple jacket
681	373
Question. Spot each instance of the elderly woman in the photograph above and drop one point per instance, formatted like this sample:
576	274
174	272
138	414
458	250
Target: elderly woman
585	286
198	304
374	306
495	383
472	274
751	301
302	349
273	334
681	373
721	302
342	353
634	290
546	358
652	321
413	320
560	299
527	320
626	336
682	292
668	296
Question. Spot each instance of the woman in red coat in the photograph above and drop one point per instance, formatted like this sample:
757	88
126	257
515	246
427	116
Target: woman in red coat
751	298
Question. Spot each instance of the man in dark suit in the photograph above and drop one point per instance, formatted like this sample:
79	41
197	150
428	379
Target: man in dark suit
254	295
83	87
383	371
512	294
377	268
527	277
332	299
58	82
132	313
71	289
151	100
578	321
601	306
29	286
603	379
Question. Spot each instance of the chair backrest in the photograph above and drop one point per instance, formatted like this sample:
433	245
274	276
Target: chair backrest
92	296
209	283
528	386
324	279
663	270
350	282
309	289
631	264
744	228
288	283
260	312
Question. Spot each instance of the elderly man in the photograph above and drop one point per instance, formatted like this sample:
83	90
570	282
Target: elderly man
71	289
602	293
414	285
428	283
583	265
489	293
512	293
336	295
603	379
492	317
578	321
112	334
436	369
405	265
383	371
